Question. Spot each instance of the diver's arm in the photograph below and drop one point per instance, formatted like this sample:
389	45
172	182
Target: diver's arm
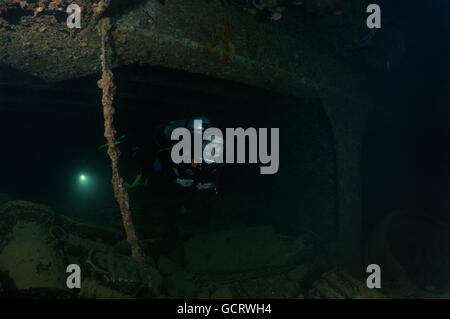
137	182
118	141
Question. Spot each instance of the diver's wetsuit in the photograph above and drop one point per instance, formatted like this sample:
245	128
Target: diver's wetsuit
186	187
187	182
201	176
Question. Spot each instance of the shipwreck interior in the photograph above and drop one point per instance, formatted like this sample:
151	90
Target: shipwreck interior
64	129
363	151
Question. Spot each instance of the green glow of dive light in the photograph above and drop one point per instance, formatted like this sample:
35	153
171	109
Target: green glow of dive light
83	178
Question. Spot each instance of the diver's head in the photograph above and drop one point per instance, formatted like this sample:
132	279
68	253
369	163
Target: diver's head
195	124
199	123
213	151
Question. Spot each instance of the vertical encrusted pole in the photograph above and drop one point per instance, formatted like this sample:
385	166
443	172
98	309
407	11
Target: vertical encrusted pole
108	87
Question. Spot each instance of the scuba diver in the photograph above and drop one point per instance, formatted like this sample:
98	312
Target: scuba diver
184	188
199	176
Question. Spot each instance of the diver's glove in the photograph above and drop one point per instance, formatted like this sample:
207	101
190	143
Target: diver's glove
118	141
185	182
203	186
